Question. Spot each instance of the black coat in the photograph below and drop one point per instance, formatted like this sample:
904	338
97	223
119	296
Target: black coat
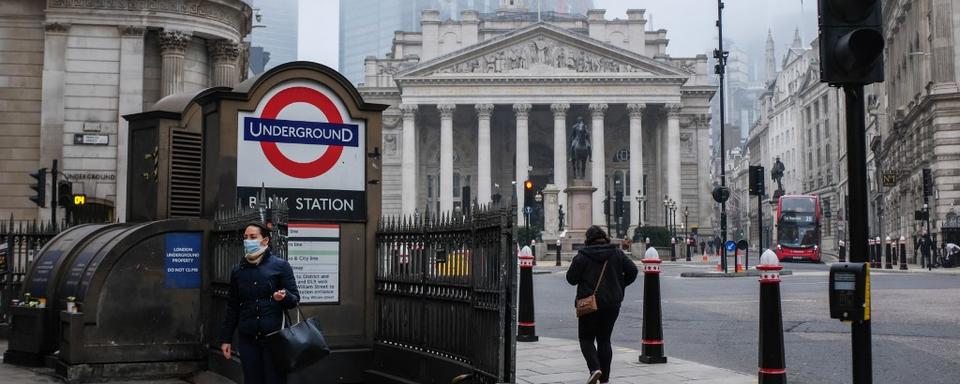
585	271
251	309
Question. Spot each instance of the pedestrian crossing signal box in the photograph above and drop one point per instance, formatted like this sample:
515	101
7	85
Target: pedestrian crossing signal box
850	291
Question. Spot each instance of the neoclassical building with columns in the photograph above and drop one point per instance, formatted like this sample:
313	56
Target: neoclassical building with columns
488	101
69	71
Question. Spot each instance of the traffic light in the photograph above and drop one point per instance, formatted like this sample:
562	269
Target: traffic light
851	42
528	193
927	182
757	187
40	199
64	193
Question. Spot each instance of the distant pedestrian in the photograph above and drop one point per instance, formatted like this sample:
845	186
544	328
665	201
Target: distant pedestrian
262	287
603	270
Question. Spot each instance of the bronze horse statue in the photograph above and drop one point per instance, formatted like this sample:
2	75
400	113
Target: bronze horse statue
580	149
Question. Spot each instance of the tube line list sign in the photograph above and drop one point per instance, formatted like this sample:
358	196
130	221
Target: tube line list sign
313	251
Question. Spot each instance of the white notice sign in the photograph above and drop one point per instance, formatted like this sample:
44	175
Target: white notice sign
313	251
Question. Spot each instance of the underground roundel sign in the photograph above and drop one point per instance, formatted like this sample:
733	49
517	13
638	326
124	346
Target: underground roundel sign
303	146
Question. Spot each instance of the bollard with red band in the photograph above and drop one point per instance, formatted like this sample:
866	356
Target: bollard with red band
902	247
888	264
773	367
673	248
526	325
652	331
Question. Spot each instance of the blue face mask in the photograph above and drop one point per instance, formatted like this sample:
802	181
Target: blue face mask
251	246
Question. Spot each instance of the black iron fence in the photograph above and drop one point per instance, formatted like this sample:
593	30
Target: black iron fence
445	289
19	242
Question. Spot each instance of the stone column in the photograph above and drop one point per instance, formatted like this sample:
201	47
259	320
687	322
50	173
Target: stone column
408	161
52	107
484	181
636	162
130	101
446	157
560	148
598	162
673	153
523	154
224	54
173	48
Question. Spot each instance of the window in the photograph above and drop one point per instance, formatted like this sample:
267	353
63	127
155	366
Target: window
818	157
826	154
429	186
456	184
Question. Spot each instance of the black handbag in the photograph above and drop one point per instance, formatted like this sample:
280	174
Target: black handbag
298	345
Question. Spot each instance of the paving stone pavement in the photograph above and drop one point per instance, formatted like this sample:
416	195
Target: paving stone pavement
559	361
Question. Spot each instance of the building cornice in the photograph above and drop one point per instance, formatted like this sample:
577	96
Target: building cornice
235	14
539	80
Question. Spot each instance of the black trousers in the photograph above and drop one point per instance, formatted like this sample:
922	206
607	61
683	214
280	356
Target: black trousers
257	364
594	332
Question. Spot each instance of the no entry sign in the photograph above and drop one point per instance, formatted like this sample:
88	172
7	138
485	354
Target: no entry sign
301	144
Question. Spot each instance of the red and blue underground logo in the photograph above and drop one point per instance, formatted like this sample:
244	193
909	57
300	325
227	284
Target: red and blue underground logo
269	130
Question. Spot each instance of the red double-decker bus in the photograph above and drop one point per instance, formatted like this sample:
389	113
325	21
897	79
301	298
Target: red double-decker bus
798	228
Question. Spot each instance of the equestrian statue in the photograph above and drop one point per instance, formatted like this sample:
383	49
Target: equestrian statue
580	149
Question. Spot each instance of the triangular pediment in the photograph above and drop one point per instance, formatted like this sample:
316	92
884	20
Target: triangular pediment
543	50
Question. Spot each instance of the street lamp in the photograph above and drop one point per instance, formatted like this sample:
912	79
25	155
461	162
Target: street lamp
673	218
640	200
666	207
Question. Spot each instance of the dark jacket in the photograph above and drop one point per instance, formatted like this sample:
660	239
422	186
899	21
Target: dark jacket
585	271
251	309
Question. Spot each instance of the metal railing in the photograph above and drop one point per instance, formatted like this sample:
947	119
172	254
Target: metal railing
19	243
445	288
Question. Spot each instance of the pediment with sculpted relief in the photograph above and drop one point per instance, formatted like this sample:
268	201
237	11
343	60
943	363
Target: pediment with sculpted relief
543	50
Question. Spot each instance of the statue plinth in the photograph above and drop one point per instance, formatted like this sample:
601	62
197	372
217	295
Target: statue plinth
580	211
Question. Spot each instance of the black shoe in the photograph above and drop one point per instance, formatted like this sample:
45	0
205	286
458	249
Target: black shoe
595	377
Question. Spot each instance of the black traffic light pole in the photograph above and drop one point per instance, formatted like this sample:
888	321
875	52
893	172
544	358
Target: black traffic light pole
721	57
54	196
859	231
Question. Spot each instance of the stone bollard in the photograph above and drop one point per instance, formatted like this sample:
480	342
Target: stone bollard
771	359
652	331
903	253
888	264
526	325
843	251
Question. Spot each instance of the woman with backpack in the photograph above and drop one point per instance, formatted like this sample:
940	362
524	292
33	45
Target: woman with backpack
601	273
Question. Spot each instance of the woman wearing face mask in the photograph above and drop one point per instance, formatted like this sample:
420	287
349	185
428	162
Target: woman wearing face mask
262	286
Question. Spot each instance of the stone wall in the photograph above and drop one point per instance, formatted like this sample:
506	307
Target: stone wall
21	67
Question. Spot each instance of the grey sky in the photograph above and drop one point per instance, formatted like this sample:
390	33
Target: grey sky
690	24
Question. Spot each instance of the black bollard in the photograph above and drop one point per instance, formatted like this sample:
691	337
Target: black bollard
772	362
877	254
558	252
903	253
689	244
673	249
526	325
843	252
652	331
888	264
646	245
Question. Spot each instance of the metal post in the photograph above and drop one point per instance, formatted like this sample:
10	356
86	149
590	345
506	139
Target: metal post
759	228
857	185
773	369
526	324
54	196
903	253
721	57
888	261
558	252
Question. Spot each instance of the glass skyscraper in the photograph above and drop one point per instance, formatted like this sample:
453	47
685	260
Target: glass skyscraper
367	26
274	37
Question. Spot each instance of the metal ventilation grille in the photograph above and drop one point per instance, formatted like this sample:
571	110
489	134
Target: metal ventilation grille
186	155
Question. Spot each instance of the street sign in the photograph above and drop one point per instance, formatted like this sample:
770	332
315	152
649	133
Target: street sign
889	179
528	210
302	145
730	245
721	194
742	244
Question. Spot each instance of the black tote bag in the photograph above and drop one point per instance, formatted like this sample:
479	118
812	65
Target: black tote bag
297	346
